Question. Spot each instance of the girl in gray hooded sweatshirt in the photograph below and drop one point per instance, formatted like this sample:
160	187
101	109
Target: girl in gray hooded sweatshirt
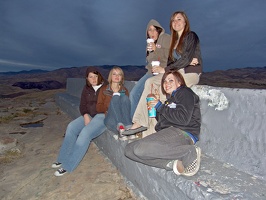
158	51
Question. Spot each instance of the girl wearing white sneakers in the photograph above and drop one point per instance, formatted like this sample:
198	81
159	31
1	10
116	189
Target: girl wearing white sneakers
178	128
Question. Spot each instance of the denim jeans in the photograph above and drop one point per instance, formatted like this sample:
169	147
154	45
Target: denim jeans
159	148
118	111
136	92
77	140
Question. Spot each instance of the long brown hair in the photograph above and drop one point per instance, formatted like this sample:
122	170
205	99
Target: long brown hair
176	74
174	34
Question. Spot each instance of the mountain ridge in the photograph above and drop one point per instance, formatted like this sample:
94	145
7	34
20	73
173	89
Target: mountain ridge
19	82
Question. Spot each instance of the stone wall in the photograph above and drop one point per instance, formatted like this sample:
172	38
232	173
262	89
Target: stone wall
232	142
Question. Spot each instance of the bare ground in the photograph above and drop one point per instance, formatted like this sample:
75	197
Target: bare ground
25	171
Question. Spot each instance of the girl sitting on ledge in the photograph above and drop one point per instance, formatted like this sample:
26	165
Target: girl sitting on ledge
178	127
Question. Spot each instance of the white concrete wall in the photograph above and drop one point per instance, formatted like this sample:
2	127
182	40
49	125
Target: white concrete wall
233	124
234	127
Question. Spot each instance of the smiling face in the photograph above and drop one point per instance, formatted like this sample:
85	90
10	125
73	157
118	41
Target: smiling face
153	33
92	78
170	83
178	22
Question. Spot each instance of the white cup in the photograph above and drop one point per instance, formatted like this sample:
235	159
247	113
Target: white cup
149	40
155	63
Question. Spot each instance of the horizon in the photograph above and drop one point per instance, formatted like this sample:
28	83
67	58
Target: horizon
113	65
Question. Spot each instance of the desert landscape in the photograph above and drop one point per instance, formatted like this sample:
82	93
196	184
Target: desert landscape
31	134
32	128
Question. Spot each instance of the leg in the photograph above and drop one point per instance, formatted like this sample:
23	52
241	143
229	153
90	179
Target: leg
95	128
141	114
72	132
118	111
135	93
190	78
162	147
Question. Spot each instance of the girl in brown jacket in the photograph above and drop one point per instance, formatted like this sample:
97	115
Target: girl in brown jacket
113	101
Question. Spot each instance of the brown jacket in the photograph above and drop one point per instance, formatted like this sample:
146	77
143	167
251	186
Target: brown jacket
105	96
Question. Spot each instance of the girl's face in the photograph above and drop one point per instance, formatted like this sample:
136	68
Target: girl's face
116	76
178	23
170	83
152	33
92	78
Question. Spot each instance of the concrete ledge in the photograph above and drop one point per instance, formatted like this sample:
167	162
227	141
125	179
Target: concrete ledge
233	159
215	180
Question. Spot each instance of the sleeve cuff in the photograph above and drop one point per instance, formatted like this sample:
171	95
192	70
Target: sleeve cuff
158	105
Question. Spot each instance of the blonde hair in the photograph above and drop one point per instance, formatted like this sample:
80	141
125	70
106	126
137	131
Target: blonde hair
120	71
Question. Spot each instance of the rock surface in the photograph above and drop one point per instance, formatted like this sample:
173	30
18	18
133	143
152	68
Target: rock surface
25	170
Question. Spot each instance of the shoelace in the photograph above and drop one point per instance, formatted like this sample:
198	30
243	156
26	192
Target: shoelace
61	170
191	167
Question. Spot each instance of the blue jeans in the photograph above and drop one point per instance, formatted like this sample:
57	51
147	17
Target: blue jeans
118	111
136	92
77	140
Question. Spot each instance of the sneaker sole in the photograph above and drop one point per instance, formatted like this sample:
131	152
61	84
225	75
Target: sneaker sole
56	166
175	168
58	174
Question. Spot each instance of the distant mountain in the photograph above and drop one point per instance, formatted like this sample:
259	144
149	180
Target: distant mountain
57	78
252	78
34	71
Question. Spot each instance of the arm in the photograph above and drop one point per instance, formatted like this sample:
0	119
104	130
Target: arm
161	52
188	51
182	114
83	102
83	106
100	106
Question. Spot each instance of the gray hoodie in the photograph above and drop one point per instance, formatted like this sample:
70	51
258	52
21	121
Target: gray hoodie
162	47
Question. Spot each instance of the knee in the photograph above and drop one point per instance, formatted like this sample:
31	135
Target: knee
128	151
125	100
70	127
139	150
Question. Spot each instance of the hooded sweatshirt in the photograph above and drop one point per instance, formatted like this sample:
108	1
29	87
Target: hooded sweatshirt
162	47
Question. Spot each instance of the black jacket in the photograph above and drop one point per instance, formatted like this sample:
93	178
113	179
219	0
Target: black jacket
181	110
190	50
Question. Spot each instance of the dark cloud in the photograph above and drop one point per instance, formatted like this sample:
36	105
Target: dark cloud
64	33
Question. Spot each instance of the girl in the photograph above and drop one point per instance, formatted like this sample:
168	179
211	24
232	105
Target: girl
179	120
113	101
82	130
184	56
155	51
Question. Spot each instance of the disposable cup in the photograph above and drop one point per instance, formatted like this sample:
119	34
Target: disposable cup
151	110
155	63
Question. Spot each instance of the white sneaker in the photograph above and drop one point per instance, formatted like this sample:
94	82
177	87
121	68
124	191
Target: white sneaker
56	165
193	168
60	172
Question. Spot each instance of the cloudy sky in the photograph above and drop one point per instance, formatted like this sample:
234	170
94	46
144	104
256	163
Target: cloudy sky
54	34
